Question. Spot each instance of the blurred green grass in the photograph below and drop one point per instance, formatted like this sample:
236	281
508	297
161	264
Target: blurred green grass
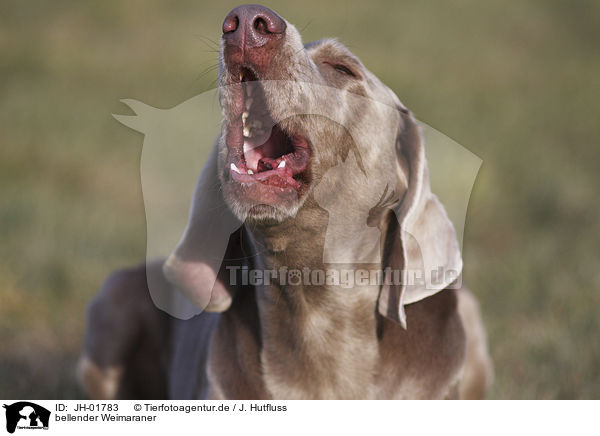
517	83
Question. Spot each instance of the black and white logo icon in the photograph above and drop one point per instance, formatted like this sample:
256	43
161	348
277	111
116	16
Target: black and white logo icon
26	415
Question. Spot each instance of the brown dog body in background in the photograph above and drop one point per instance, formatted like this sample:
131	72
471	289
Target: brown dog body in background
126	352
310	140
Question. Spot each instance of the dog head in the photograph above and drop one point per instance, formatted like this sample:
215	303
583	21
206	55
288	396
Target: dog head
292	113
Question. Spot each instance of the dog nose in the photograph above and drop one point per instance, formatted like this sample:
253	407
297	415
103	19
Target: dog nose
258	22
251	36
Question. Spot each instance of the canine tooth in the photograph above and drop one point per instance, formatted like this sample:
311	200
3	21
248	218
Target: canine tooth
245	116
246	131
249	101
234	168
250	172
281	164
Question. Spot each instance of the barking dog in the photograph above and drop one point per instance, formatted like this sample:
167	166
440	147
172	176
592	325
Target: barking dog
326	169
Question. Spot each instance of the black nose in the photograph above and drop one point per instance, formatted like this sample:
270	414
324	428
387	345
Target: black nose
257	22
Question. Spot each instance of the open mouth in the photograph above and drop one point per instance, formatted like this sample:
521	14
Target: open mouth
261	152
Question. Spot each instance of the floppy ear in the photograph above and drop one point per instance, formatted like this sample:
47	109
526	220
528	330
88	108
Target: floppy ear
421	241
194	265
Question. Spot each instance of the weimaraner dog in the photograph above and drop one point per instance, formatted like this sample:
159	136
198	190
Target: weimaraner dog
312	143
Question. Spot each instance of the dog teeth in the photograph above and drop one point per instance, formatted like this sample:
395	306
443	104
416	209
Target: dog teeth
250	172
246	130
234	168
248	103
281	164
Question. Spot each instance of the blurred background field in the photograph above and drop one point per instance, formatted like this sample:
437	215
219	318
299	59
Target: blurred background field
517	83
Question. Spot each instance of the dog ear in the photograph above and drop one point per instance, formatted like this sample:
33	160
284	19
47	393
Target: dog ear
195	264
420	240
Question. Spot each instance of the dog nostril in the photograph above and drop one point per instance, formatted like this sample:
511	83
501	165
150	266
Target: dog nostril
261	26
231	24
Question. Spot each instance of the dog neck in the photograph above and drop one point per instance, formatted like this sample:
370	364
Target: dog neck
305	322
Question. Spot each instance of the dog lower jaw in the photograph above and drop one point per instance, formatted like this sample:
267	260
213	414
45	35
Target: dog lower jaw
255	212
252	200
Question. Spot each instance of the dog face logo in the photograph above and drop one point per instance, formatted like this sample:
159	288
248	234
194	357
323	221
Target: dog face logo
26	415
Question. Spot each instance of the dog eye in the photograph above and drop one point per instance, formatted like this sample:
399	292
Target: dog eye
342	69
